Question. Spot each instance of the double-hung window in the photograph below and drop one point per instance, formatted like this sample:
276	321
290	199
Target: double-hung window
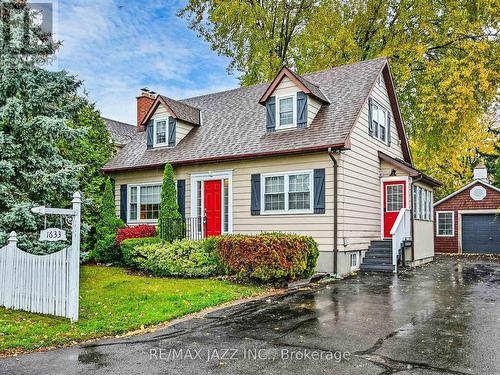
287	192
379	121
144	202
286	110
161	131
445	224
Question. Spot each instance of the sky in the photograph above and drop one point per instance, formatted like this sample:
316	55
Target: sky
118	47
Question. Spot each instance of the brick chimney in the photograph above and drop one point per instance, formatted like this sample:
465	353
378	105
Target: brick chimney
144	102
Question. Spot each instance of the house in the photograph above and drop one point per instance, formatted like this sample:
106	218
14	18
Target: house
468	220
121	133
323	154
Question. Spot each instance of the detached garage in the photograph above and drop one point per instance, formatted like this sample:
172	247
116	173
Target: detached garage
468	220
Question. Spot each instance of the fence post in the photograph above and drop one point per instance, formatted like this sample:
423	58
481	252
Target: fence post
9	277
74	259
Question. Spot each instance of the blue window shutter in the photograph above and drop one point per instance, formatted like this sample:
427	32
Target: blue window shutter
271	114
255	195
301	110
370	122
389	128
149	134
123	203
171	131
319	191
181	196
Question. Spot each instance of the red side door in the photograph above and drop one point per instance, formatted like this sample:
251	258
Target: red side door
394	201
213	207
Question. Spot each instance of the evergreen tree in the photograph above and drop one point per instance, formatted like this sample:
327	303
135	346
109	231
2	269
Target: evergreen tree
169	222
105	249
35	108
91	151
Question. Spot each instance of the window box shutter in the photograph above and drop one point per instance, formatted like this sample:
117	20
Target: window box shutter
181	197
149	134
389	128
319	191
271	114
171	131
301	110
123	203
255	195
370	122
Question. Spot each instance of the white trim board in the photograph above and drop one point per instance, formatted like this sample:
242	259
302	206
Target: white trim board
466	187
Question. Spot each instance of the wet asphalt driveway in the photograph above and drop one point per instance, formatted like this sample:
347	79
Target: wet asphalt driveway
442	318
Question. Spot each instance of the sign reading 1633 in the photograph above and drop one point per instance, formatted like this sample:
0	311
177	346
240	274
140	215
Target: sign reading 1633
52	234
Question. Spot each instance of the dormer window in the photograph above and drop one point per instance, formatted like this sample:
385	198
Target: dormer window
287	107
160	132
164	132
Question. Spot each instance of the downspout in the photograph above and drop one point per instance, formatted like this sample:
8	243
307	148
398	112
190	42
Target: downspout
335	210
412	216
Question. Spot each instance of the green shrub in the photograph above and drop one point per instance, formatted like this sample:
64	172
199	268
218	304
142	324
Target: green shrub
128	246
105	249
182	258
269	256
170	223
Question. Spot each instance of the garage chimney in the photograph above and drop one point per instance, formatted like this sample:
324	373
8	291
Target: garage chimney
480	172
144	102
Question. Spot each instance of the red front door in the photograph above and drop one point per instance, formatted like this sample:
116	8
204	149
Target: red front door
213	206
394	201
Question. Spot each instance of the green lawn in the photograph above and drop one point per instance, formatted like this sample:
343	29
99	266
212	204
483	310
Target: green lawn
113	302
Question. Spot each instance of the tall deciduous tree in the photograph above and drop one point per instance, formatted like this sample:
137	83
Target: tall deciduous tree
35	108
444	57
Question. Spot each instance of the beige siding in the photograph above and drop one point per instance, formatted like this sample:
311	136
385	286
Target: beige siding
360	196
423	234
320	226
313	107
182	128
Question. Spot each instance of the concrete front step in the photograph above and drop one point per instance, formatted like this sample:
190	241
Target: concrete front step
376	268
369	259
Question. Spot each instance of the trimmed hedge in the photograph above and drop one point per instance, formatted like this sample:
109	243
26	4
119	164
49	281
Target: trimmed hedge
269	256
138	231
128	249
265	257
182	258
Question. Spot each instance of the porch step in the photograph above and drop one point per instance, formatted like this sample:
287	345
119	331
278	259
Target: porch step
376	267
378	258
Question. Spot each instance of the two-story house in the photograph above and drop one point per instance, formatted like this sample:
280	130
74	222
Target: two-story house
323	154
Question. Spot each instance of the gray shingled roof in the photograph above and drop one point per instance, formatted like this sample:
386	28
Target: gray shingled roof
234	123
183	111
121	133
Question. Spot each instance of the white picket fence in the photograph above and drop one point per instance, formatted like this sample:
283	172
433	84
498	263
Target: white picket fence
47	284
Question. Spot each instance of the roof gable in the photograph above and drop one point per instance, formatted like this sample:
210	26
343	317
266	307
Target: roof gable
177	109
470	184
302	83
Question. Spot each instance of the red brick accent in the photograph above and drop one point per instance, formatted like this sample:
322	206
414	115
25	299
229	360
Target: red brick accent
143	104
462	201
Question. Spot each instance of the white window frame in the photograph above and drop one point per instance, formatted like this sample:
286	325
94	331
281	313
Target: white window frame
294	109
452	223
376	132
138	186
167	128
286	176
356	266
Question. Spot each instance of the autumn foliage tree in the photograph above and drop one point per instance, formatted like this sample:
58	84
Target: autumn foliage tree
444	58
